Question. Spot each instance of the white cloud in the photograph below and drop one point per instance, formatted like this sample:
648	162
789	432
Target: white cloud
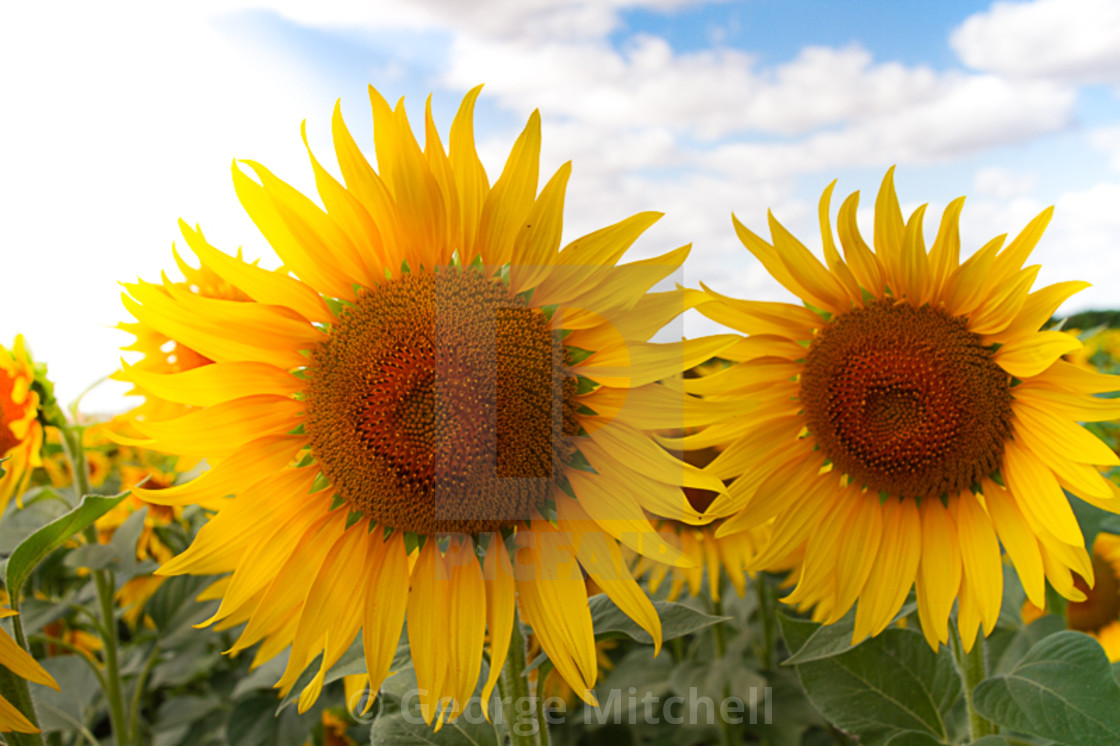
134	112
1079	244
1107	140
1076	41
1003	183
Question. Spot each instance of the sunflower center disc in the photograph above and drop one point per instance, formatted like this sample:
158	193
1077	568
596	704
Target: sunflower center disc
439	403
906	400
1101	606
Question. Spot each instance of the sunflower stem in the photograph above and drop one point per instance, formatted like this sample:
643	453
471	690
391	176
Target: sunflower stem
973	667
103	579
767	617
526	727
728	736
14	689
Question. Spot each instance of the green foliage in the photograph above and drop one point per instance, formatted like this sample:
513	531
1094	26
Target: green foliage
34	549
677	620
890	687
1063	690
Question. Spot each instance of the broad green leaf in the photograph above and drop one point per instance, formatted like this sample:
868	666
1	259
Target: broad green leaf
889	684
636	676
714	679
19	523
1089	517
36	547
1026	638
254	722
993	741
174	610
913	738
833	639
73	703
677	620
92	557
1062	690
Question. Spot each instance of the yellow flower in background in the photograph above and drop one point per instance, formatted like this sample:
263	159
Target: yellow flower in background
19	661
1099	614
717	556
436	413
910	418
21	434
97	446
1105	340
72	639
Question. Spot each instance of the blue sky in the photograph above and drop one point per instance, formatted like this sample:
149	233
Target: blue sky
126	117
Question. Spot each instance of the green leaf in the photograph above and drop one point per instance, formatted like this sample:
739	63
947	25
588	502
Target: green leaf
677	620
833	639
36	547
1089	517
888	685
19	523
254	722
1026	638
73	704
1063	690
173	608
637	675
913	738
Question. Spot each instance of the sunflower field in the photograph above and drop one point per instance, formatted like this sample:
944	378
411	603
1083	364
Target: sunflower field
440	478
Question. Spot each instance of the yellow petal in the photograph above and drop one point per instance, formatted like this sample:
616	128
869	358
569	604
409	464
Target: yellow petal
602	559
1038	493
1029	356
939	571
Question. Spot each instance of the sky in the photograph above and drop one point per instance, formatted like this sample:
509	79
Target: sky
122	118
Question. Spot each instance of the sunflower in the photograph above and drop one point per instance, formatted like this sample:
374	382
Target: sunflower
19	661
21	433
435	413
1099	614
910	417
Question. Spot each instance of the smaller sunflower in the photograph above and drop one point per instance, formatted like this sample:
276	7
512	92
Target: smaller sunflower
1098	615
912	416
19	661
21	433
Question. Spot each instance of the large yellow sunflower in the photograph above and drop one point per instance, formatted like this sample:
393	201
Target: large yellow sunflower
911	417
21	433
436	412
19	661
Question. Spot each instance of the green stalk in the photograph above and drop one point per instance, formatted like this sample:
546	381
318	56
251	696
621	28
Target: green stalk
728	736
767	617
103	579
138	692
973	669
514	687
14	689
